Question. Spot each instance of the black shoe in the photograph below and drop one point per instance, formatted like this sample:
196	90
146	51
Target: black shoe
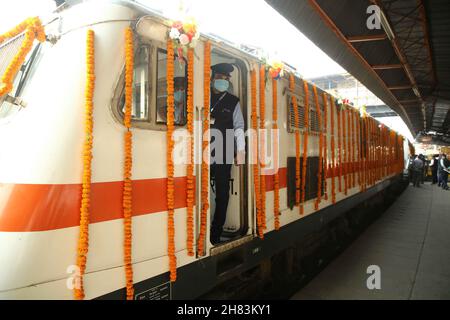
214	240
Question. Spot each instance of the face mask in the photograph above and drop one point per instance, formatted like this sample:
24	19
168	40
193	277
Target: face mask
178	95
221	85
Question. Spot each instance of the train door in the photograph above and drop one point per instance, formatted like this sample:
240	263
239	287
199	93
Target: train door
236	224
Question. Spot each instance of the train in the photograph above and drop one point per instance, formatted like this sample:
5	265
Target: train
350	157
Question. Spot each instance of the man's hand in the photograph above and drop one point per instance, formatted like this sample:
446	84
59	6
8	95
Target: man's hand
240	157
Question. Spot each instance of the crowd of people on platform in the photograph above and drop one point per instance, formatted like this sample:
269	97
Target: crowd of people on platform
419	166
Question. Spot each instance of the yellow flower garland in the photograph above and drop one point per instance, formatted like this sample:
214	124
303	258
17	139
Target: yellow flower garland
319	172
325	145
83	237
297	141
190	167
276	182
345	157
339	117
305	145
170	166
205	144
33	30
128	161
262	144
255	165
333	146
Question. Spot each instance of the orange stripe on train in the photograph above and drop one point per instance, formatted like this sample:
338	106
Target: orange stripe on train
41	207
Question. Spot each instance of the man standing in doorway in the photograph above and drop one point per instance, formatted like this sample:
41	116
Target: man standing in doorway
227	125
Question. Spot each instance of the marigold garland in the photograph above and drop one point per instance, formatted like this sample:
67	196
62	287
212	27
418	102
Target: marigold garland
127	188
333	161
33	30
297	140
170	166
190	191
305	145
83	237
276	179
339	166
345	145
205	144
255	164
319	172
262	144
325	145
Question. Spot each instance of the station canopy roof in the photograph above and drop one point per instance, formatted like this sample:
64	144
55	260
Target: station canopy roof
404	59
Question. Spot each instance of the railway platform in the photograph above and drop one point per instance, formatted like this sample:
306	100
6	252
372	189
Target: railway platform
407	248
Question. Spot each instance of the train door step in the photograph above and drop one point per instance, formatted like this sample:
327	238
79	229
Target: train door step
220	248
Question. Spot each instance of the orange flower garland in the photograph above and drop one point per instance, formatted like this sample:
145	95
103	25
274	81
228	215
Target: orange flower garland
205	144
325	145
358	143
170	165
297	141
33	30
319	172
190	167
83	237
276	179
305	144
255	165
351	142
344	138
127	189
333	161
262	144
339	116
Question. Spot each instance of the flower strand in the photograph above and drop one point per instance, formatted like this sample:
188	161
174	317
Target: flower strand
205	153
305	144
83	237
127	188
170	165
190	167
276	179
33	30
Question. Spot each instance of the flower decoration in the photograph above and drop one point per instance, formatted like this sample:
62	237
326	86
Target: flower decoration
276	69
184	35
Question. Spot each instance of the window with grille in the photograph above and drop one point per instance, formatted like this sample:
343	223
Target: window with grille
291	114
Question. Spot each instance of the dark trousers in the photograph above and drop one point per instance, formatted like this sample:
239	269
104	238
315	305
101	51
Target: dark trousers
221	175
444	180
417	177
434	176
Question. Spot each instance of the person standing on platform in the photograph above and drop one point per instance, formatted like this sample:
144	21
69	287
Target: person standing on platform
434	167
445	170
417	169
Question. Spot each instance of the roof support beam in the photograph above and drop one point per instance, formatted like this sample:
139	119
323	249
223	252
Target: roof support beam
401	87
373	37
386	66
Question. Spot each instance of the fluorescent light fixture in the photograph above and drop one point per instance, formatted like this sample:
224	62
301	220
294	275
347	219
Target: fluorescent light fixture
386	26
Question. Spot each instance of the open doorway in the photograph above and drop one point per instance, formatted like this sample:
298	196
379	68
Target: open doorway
236	223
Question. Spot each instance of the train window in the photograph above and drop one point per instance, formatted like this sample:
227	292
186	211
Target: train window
140	103
180	86
11	103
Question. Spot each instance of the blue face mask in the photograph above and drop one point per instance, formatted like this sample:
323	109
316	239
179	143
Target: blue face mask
221	85
178	95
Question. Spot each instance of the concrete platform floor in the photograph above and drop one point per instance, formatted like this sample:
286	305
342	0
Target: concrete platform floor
410	243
